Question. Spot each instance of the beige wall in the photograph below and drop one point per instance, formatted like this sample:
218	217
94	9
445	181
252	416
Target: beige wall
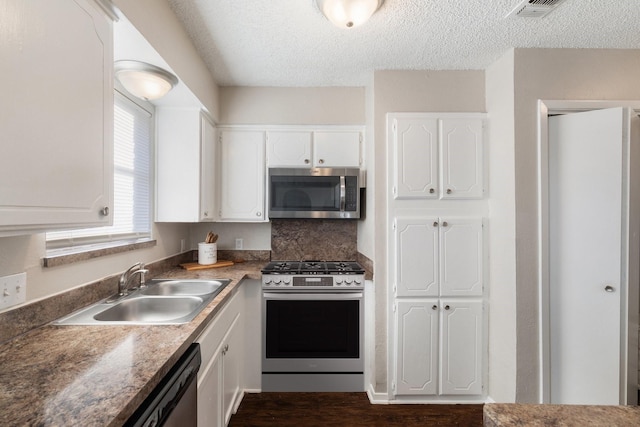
502	241
551	74
292	106
408	91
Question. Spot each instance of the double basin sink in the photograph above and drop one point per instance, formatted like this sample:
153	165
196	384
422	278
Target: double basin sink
161	302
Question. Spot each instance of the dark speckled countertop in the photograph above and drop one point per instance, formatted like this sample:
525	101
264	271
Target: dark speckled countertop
518	414
98	375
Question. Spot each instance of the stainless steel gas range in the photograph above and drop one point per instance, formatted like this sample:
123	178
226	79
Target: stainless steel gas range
312	329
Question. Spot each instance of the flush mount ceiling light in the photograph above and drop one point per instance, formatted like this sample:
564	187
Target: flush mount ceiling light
348	13
144	80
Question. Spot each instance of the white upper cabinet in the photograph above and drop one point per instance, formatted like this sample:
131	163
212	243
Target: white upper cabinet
242	182
416	158
313	148
56	116
461	153
437	158
186	166
289	148
438	257
336	149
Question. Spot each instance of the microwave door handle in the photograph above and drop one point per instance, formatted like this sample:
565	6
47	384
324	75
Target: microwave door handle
343	193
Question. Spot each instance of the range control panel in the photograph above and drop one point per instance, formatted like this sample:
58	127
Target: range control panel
354	281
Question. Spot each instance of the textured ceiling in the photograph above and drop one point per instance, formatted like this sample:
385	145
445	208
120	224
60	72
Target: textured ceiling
290	43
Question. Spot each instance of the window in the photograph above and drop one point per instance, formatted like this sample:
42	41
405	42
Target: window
131	182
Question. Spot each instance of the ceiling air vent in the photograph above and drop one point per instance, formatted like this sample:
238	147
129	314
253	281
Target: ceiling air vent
534	8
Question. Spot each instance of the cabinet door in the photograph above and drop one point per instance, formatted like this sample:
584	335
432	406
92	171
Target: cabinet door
415	158
461	256
416	241
242	180
209	391
461	347
336	149
416	347
178	164
461	151
289	149
56	129
208	170
233	353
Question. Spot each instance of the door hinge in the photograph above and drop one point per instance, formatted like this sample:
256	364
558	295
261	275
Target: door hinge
394	190
394	225
395	307
394	126
393	387
395	288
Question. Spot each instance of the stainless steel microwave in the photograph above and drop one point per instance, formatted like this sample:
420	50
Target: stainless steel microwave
314	193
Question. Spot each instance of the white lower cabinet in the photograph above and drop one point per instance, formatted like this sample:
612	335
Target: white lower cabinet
438	350
220	381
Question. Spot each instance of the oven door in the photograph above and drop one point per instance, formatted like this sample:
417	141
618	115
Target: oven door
307	332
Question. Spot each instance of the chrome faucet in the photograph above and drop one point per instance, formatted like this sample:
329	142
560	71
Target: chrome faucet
125	278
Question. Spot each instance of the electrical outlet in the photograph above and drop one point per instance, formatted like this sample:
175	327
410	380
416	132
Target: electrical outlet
239	244
13	290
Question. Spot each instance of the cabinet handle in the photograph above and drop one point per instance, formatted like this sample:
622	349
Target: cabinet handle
609	288
258	213
321	161
435	223
434	307
446	307
104	211
306	161
445	224
206	213
225	349
431	190
449	191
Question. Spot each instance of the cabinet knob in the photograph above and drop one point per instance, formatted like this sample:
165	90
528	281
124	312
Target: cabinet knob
434	307
206	213
435	223
306	161
449	191
446	307
321	161
431	191
445	224
258	213
104	211
609	288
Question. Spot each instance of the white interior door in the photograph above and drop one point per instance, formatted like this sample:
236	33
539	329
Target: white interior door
586	256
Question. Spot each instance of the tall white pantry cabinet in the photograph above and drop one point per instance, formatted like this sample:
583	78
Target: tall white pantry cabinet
437	259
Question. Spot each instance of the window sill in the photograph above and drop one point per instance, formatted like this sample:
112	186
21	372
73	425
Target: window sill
58	257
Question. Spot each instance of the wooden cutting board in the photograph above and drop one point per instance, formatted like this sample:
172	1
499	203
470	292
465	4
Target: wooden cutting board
196	266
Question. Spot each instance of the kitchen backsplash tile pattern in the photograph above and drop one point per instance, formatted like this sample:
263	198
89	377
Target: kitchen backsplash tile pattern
313	239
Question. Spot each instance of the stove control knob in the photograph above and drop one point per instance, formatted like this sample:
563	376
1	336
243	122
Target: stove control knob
357	282
339	280
276	281
286	280
267	281
348	281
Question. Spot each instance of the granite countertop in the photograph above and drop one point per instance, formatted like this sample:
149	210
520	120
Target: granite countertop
518	414
98	375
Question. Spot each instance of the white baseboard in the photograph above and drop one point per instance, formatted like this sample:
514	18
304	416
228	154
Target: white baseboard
377	398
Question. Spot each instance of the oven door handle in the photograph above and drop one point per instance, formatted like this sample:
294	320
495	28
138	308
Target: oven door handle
312	296
343	193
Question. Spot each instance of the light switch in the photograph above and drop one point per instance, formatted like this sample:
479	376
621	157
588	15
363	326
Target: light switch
13	290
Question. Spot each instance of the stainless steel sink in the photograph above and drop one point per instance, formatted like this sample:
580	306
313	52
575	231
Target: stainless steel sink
150	309
184	287
162	302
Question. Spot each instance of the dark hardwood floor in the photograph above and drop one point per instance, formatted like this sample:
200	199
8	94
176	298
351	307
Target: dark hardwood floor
346	409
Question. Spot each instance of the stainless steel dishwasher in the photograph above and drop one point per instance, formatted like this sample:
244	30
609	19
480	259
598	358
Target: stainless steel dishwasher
174	402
